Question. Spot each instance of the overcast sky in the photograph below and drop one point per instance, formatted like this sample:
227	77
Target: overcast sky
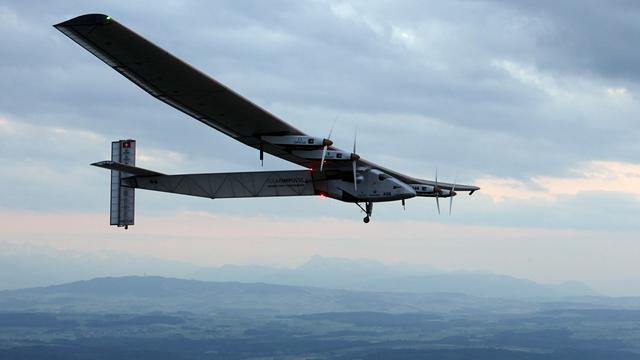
534	101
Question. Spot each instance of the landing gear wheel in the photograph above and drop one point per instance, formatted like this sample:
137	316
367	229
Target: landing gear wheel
368	210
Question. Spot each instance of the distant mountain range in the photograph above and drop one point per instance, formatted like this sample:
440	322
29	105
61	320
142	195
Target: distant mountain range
337	273
41	268
153	293
144	294
22	267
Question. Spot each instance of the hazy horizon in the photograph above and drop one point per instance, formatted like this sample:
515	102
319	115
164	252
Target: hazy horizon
36	266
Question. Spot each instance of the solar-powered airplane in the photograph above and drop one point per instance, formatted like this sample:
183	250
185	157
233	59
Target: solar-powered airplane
330	172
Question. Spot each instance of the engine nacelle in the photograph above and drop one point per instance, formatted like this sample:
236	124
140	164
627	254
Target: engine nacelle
430	191
447	193
297	141
423	190
330	155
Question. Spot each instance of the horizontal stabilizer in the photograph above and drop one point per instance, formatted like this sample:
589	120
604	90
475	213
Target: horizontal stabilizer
113	165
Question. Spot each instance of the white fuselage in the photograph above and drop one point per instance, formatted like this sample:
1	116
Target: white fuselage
372	186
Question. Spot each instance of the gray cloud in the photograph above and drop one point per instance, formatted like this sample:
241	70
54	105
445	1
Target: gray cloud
587	37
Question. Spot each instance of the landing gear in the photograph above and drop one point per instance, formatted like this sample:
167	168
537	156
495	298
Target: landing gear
368	210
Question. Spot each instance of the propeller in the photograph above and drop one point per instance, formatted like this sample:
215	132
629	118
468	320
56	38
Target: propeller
327	143
437	190
354	160
451	195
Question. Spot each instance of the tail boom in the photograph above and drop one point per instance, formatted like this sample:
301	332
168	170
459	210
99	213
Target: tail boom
230	185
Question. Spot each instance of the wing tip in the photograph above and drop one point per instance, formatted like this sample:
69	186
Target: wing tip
102	163
87	19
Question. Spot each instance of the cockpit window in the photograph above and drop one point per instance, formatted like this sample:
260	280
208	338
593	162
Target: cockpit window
383	177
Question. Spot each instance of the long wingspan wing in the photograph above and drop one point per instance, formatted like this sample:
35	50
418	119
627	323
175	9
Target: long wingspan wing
176	83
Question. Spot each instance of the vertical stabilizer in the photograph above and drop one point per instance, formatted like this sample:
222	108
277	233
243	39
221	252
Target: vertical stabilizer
122	197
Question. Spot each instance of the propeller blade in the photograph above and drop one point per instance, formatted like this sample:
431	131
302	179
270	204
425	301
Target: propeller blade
324	153
354	162
437	190
324	149
453	192
331	130
355	137
355	179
